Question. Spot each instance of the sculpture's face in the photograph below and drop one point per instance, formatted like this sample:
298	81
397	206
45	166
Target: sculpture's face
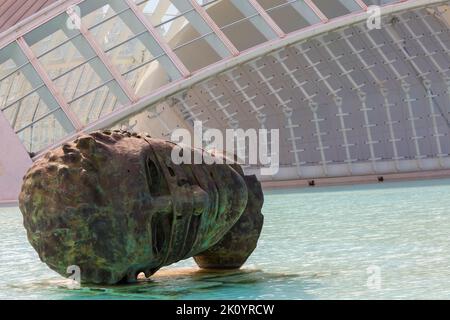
116	205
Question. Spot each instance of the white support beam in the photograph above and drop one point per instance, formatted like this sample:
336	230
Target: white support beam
226	64
316	10
262	22
34	21
49	83
154	33
409	60
306	12
187	110
353	5
267	18
210	22
385	92
259	115
445	48
362	96
337	99
362	4
231	119
286	109
308	97
105	60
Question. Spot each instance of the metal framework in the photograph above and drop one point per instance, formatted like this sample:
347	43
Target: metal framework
123	95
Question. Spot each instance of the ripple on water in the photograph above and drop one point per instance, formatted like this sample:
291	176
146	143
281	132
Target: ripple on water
316	244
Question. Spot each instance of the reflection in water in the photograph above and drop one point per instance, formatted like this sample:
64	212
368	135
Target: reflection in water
171	283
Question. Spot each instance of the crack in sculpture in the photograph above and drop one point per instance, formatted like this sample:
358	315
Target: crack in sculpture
114	204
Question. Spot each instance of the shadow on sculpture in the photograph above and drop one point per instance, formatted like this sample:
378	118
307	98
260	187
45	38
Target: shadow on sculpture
114	204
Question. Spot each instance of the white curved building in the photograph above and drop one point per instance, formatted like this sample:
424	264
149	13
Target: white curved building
348	101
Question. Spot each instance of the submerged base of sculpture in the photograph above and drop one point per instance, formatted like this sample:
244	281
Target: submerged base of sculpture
115	205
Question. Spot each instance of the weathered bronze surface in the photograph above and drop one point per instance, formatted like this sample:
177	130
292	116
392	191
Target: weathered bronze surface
114	204
238	244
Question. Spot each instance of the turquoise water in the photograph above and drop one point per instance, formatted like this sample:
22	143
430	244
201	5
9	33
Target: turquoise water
316	244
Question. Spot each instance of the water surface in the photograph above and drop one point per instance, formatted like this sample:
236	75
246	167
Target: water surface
316	244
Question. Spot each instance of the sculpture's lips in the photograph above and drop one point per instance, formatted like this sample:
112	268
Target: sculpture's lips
115	205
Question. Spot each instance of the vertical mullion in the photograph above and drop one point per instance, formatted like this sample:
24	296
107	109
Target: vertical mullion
154	33
227	42
362	4
49	83
317	11
106	61
267	18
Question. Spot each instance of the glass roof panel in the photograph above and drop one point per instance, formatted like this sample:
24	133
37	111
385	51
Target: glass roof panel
46	131
290	15
185	31
130	47
51	34
237	18
337	8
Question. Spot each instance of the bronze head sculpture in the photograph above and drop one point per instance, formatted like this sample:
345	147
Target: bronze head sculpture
114	204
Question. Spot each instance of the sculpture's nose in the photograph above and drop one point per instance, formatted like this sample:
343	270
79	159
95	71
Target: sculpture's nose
162	204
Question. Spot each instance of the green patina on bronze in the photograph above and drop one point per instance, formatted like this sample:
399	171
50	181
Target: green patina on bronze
238	243
114	204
